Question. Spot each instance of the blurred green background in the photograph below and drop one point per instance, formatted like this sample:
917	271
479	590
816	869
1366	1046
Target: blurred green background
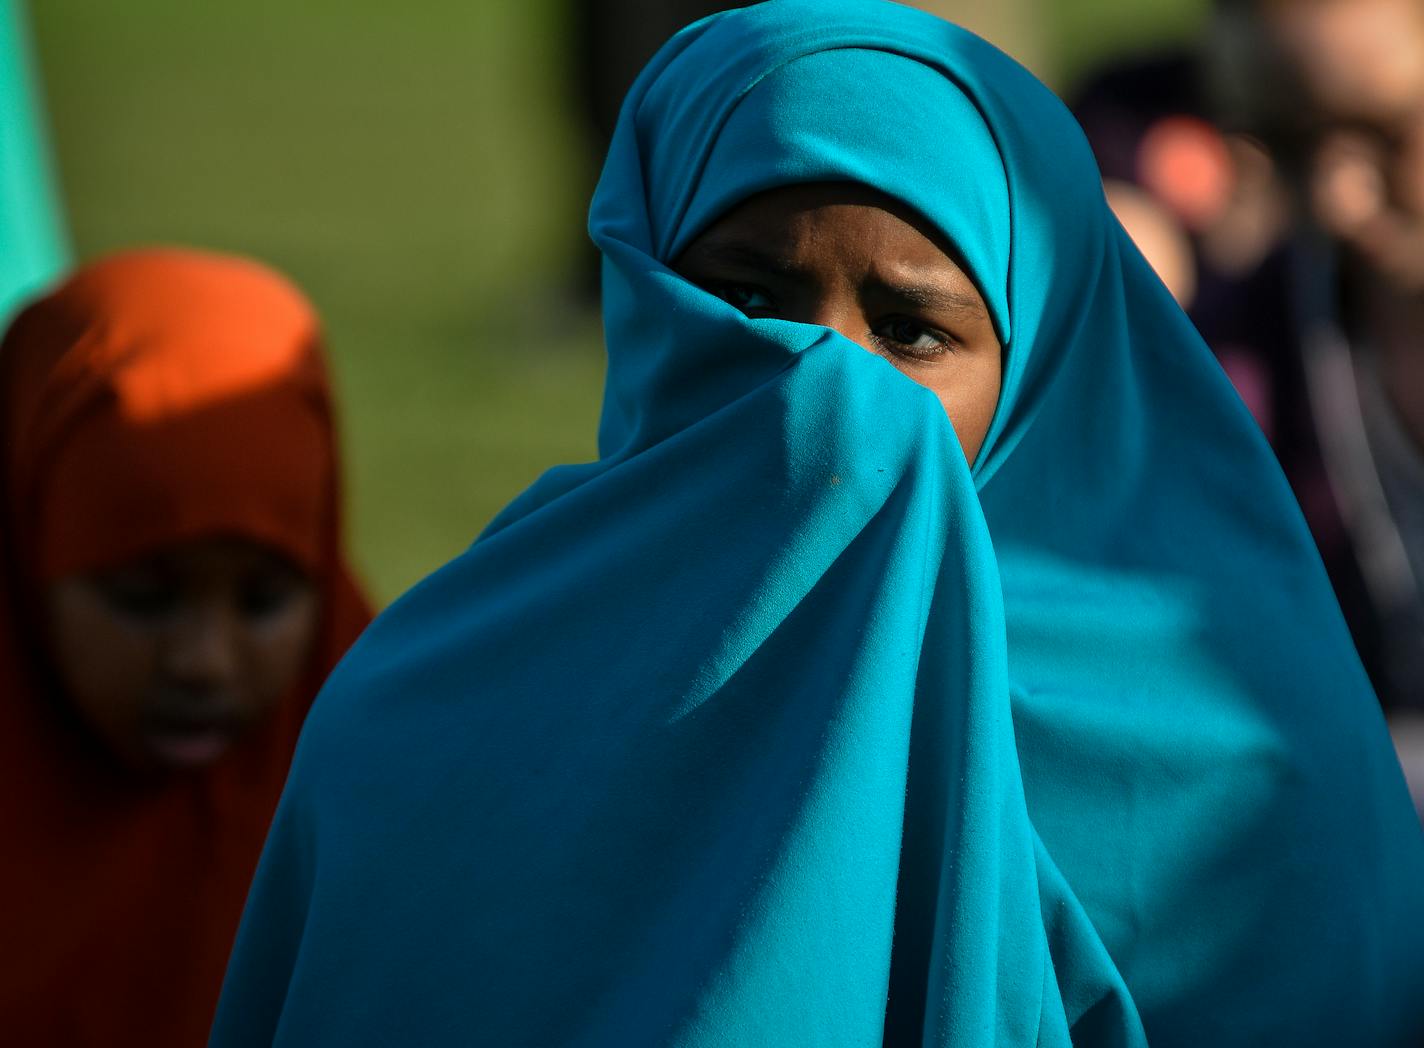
421	172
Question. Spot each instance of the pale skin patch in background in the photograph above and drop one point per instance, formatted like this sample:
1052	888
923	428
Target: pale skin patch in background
849	258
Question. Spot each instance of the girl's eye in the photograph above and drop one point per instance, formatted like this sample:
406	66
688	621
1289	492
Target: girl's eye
268	593
908	335
139	595
743	296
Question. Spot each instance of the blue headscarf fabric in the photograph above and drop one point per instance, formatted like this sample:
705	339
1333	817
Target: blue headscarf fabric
781	724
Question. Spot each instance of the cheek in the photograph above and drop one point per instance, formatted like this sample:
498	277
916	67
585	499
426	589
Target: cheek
279	652
969	392
105	666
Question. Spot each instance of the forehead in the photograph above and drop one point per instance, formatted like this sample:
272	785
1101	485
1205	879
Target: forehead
830	217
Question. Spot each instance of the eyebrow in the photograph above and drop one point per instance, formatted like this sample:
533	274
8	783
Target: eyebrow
921	294
933	297
734	253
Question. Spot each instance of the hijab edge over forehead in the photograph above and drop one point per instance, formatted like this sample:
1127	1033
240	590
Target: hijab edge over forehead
790	128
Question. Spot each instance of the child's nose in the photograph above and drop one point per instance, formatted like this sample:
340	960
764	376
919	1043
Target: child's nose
203	652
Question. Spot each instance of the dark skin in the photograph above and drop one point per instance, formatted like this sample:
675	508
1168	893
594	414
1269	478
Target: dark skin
170	659
846	257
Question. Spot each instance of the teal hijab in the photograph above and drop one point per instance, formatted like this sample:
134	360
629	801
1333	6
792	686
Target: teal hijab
33	249
780	724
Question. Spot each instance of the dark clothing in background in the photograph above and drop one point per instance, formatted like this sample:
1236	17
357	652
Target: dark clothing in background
614	40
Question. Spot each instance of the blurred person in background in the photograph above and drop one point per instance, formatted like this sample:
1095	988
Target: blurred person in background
934	655
174	592
1273	176
1202	201
1210	208
1342	104
612	40
33	247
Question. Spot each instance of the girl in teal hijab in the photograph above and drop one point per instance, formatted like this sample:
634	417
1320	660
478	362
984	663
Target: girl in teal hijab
784	724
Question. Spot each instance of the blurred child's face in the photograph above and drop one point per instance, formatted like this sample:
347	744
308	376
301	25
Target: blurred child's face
1362	63
856	261
170	659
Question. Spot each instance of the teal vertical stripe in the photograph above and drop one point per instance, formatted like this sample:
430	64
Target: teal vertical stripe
34	245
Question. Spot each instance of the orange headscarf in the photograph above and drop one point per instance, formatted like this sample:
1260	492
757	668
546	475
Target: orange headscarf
157	396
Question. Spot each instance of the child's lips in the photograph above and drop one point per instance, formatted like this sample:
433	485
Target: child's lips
190	743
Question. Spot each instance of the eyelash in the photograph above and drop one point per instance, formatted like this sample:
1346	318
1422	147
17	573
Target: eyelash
944	344
724	291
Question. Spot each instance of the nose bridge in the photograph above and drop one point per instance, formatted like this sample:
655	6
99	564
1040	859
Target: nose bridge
827	310
837	306
204	644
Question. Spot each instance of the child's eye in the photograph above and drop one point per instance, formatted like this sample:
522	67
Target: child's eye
139	594
268	591
909	335
742	296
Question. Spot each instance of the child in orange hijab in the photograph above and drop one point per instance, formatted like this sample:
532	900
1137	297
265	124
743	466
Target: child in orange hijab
173	594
